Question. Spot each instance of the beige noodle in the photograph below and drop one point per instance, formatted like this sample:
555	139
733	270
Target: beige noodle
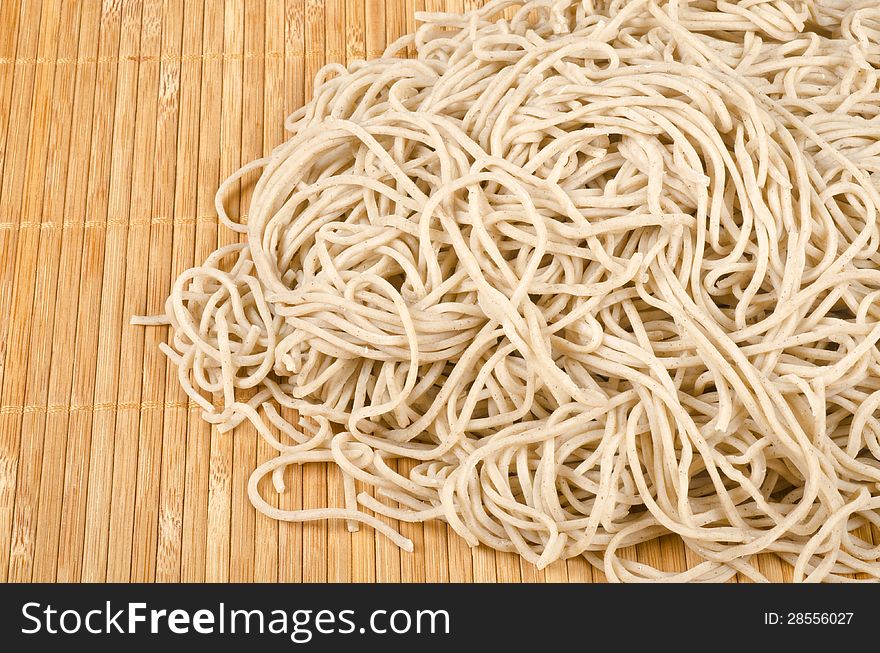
602	270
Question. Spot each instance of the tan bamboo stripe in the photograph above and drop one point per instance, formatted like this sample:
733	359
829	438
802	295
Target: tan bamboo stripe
153	192
52	294
45	145
20	326
71	373
112	484
170	546
208	38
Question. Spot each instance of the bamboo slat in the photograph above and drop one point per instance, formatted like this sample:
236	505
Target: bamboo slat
118	120
34	284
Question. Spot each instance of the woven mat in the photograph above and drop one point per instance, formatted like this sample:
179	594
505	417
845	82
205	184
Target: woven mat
118	119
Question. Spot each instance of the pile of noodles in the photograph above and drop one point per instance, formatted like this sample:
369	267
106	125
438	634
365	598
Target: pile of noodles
603	271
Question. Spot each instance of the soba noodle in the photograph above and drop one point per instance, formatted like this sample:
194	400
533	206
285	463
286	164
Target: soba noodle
602	271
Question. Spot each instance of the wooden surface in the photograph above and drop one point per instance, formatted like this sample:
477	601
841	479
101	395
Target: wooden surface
118	119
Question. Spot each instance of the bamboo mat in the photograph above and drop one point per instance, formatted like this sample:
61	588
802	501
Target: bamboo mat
118	120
